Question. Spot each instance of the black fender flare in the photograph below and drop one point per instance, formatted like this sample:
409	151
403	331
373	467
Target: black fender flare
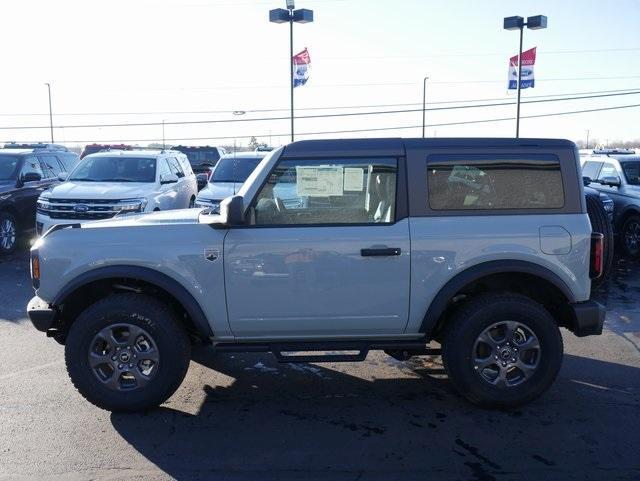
145	274
478	271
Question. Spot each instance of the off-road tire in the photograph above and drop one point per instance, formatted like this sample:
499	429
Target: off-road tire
600	223
476	315
6	217
626	250
158	321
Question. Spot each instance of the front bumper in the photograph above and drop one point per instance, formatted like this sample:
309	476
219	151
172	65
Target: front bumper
41	315
588	318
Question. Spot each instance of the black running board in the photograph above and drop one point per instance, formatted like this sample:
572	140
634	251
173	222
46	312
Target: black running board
336	351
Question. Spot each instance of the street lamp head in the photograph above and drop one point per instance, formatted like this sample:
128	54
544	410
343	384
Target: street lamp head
513	23
279	15
303	15
537	22
291	4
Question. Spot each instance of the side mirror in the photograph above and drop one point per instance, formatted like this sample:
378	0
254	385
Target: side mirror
31	177
232	210
613	181
168	178
62	176
586	180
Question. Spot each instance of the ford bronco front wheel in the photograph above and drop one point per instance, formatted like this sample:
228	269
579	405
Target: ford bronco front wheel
502	350
127	353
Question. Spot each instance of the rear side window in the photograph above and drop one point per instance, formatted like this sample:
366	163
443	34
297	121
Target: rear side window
494	182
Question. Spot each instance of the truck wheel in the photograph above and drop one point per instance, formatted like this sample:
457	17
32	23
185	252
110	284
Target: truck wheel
8	233
600	223
630	236
502	350
127	352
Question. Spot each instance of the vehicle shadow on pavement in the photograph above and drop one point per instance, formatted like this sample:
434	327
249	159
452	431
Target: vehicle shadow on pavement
274	421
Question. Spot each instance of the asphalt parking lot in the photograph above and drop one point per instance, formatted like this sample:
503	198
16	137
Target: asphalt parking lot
240	417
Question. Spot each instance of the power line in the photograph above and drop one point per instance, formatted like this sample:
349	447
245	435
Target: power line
374	129
317	116
338	107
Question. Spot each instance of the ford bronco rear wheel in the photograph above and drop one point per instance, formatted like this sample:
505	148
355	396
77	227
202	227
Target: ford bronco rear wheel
502	350
127	352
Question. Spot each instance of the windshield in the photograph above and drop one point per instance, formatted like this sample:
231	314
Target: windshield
115	169
632	172
199	157
229	169
9	165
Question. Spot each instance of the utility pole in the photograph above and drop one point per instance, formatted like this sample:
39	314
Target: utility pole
587	146
424	103
164	146
50	111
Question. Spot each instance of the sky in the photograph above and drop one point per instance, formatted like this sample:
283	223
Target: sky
149	61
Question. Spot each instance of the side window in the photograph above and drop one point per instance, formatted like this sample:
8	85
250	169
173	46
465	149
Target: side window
340	191
51	165
32	165
175	167
163	167
494	182
590	169
185	165
608	170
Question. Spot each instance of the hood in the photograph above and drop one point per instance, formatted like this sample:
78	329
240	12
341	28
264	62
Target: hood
72	189
220	190
7	185
167	217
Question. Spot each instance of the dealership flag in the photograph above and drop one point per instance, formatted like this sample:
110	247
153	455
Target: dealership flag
301	66
527	78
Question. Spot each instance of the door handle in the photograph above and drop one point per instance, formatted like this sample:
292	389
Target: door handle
380	252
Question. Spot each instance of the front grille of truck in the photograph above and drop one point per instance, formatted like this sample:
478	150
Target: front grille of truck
96	209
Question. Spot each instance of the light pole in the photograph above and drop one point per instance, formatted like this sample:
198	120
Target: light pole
587	146
164	146
536	22
281	15
50	111
424	103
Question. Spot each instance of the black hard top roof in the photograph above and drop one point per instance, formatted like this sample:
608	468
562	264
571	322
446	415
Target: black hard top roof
396	146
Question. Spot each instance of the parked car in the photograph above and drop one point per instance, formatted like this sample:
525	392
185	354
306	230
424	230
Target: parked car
228	176
202	159
94	148
112	183
616	173
25	171
391	249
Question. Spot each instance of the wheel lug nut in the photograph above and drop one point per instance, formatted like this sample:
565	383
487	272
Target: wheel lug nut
119	366
130	365
114	358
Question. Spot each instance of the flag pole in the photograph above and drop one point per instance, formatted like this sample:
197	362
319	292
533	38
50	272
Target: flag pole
291	66
519	81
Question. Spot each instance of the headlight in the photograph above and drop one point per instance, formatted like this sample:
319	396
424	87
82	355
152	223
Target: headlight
43	205
5	196
126	206
608	206
214	205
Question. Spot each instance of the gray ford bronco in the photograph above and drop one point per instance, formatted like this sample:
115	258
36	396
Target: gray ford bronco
333	248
